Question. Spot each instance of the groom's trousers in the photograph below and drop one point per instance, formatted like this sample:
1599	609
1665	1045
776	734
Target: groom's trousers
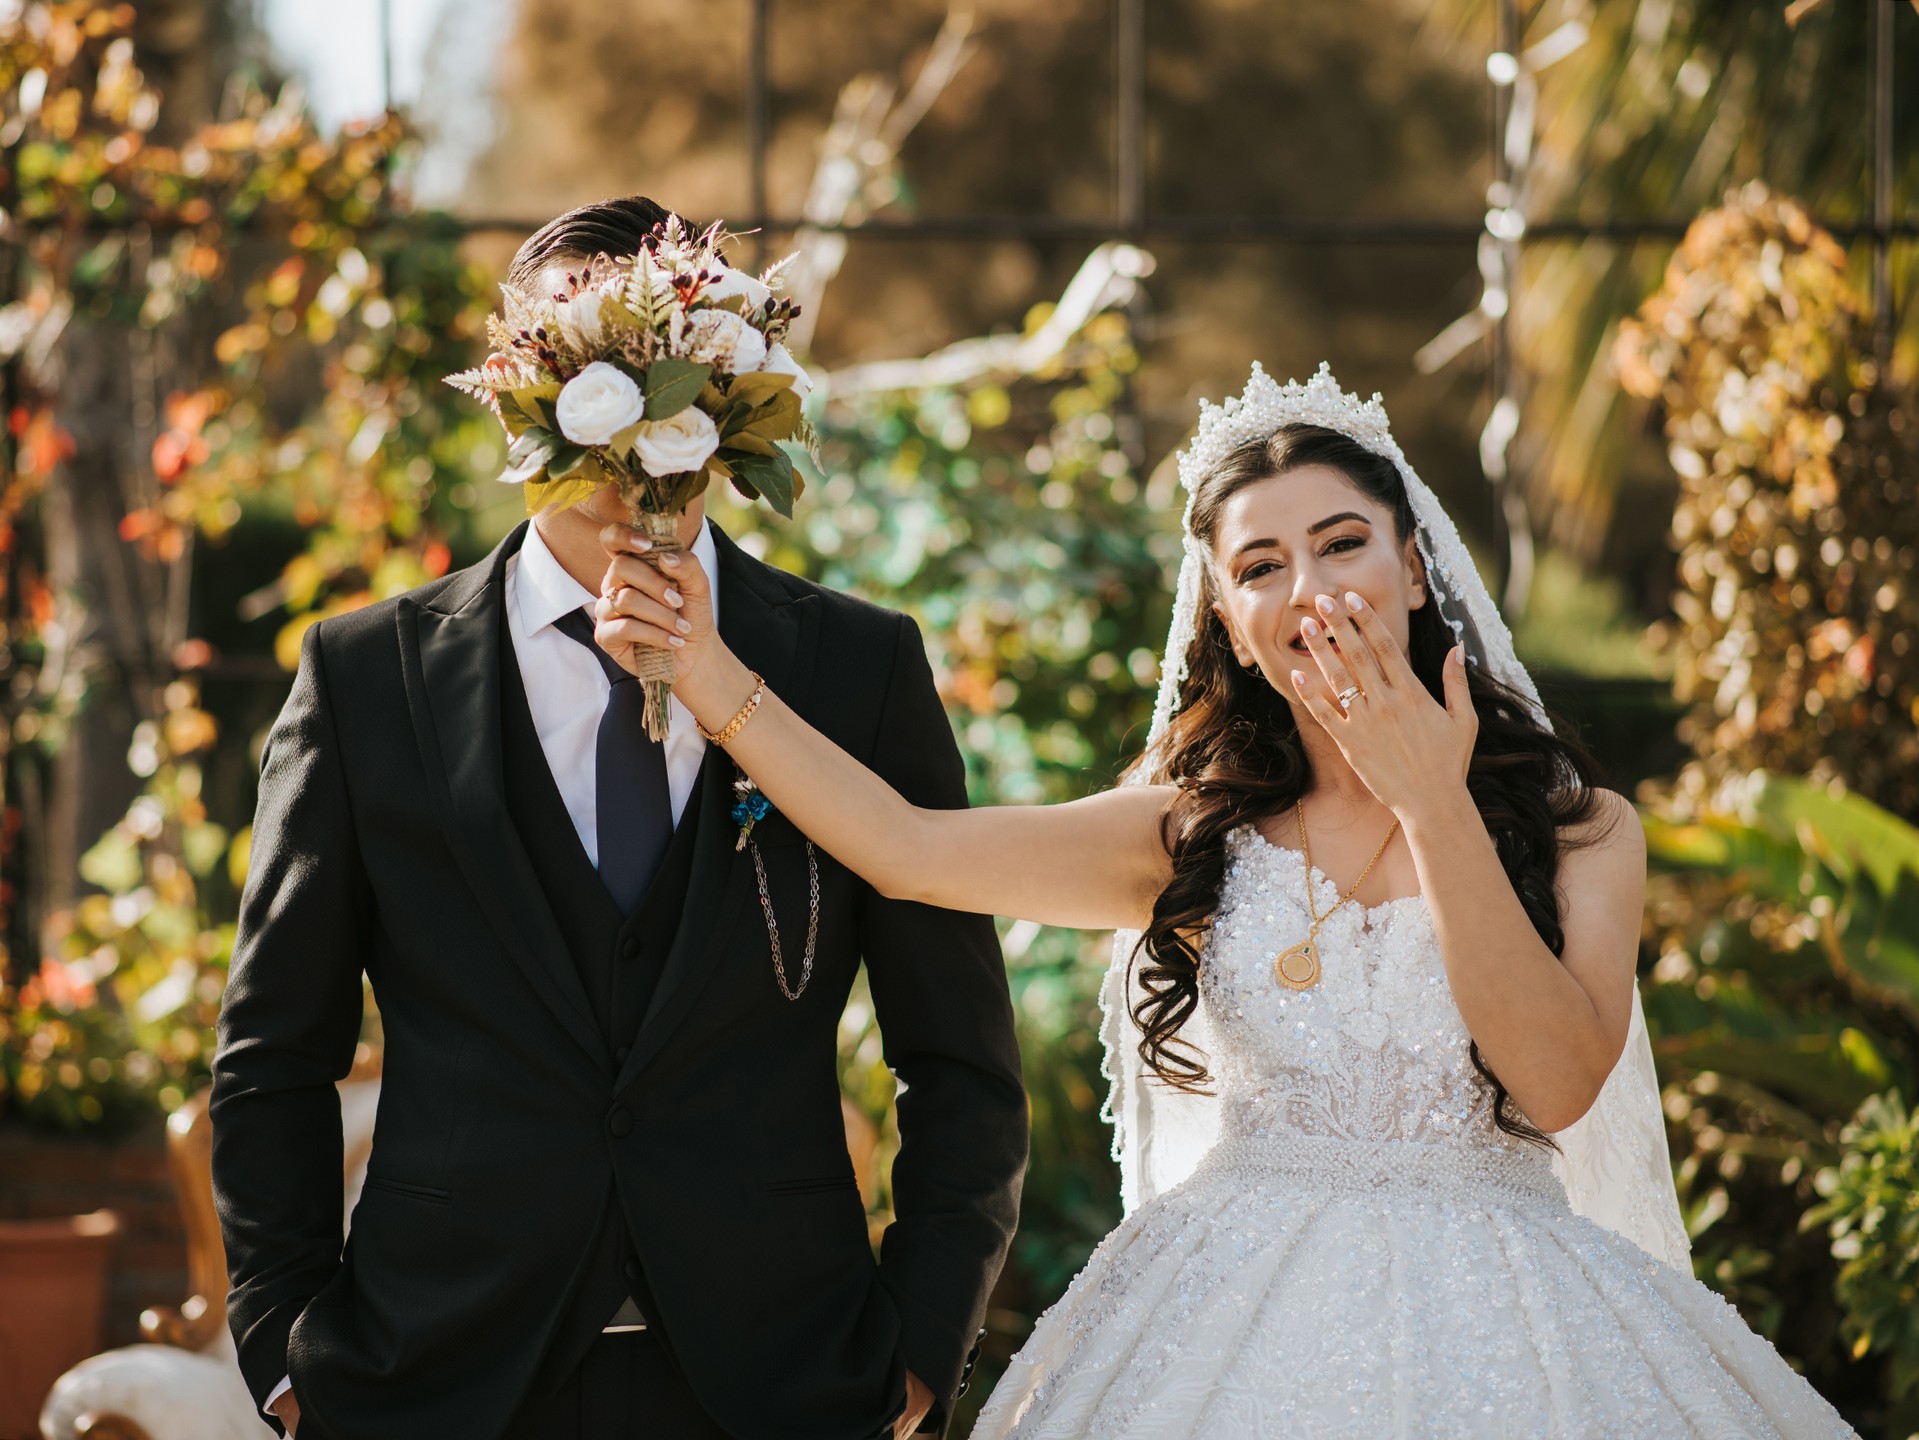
627	1388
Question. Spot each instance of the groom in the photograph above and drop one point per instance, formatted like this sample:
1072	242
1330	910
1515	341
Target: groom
609	1193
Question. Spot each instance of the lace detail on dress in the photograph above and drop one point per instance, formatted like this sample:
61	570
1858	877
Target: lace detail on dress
1375	1051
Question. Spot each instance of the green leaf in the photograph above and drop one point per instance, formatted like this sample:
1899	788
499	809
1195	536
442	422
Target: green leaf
1851	833
528	455
558	494
770	475
203	846
114	863
566	460
513	415
756	389
1689	847
775	420
752	444
1882	941
672	385
536	403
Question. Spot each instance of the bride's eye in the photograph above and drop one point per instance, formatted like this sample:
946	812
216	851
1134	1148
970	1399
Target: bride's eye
1344	543
1257	569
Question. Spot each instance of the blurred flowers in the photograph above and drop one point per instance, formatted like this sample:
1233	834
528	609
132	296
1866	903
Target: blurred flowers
118	1020
1798	518
1785	911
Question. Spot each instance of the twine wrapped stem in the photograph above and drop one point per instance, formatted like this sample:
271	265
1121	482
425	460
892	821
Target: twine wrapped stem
655	667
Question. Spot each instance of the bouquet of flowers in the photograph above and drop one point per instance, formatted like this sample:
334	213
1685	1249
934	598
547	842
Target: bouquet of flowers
654	373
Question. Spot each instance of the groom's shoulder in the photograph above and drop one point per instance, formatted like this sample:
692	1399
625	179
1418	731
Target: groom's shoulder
840	611
846	617
855	635
851	610
370	634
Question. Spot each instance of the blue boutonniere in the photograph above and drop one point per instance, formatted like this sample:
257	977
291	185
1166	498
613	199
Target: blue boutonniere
750	807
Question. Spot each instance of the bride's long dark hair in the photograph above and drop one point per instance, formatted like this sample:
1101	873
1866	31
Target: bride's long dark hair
1235	754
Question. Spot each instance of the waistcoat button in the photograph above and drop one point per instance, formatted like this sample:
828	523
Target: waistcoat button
619	1120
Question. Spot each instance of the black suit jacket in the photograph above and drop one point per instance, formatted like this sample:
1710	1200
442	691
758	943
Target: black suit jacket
507	1126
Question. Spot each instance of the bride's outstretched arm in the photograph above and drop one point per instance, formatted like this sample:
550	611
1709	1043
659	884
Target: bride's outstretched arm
1096	863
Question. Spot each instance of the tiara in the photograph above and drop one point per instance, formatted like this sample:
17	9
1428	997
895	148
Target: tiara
1266	405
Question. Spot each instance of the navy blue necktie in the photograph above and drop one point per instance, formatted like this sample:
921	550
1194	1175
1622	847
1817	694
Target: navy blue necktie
633	802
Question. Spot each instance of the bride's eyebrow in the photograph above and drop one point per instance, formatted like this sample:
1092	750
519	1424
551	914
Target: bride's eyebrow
1332	520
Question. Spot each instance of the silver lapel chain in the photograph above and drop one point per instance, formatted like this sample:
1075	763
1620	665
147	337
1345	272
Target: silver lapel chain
772	925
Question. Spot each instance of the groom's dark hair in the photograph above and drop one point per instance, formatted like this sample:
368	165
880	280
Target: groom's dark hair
606	227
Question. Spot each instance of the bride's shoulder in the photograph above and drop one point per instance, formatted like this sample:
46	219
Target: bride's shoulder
1604	820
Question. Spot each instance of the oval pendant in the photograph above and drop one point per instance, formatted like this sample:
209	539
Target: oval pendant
1298	968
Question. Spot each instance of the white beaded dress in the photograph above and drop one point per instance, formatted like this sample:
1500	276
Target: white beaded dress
1362	1253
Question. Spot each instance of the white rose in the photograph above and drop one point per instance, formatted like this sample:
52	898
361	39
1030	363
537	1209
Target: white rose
733	284
725	341
678	445
779	361
597	404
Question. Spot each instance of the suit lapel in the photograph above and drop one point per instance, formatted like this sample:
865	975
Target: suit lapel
774	632
451	654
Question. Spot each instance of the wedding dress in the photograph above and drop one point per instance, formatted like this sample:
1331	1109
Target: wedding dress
1361	1253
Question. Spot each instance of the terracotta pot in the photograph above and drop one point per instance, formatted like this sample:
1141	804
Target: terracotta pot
53	1296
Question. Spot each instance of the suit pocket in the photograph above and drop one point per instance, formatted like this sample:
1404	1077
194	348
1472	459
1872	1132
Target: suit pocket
811	1186
425	1193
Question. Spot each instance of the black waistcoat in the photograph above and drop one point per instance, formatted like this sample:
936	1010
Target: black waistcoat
619	957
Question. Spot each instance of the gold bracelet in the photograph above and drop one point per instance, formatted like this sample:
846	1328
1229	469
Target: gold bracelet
738	723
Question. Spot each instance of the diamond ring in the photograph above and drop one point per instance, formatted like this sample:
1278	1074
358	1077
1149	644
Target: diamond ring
1348	695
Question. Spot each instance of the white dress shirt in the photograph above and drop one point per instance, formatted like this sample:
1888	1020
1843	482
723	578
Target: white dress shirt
566	690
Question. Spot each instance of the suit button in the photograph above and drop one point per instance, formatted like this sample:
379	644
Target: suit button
620	1054
631	949
632	1269
619	1120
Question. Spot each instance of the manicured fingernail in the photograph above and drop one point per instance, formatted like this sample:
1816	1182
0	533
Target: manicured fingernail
1325	605
674	640
1309	629
675	599
1353	602
685	627
669	559
1299	679
639	542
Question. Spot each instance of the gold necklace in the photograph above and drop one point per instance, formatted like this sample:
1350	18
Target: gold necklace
1298	968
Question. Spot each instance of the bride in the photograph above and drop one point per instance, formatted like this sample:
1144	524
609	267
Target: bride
1388	1125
